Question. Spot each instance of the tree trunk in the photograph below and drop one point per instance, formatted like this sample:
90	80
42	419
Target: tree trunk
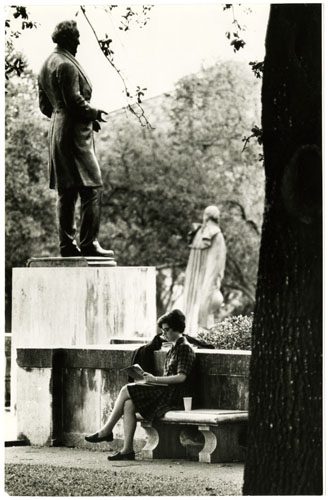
285	411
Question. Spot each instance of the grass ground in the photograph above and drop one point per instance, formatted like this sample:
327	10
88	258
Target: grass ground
49	480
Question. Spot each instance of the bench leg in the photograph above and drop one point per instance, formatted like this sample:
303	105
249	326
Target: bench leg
152	440
163	441
209	445
222	443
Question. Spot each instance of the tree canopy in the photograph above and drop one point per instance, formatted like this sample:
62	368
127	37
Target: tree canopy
158	181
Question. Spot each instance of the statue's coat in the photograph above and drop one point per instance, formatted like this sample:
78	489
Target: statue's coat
64	96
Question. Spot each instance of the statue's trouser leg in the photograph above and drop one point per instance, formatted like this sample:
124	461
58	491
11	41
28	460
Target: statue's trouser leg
65	210
90	215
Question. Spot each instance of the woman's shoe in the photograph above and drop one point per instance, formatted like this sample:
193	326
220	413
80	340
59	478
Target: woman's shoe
123	456
94	438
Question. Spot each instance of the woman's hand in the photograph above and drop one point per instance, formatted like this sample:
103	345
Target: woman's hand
148	377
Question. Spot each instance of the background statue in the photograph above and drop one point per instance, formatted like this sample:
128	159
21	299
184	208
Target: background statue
64	95
202	297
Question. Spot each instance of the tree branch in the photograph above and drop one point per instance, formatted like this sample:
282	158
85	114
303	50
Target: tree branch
243	214
108	54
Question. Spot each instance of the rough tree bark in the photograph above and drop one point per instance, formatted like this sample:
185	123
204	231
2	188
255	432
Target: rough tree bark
285	412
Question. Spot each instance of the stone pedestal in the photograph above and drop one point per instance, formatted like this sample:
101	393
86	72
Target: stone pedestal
68	306
74	302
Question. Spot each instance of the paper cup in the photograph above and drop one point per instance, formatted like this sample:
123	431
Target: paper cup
187	403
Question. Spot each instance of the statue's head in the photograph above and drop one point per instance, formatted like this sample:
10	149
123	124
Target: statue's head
211	213
67	36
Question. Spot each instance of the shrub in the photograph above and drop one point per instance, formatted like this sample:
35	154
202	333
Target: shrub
233	332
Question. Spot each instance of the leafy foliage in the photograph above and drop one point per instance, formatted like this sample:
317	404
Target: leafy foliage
148	199
257	133
233	332
132	16
236	41
257	68
17	20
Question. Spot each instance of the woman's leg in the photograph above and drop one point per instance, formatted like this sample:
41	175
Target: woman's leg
116	413
130	423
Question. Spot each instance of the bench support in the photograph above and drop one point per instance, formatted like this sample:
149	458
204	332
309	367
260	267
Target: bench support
163	441
209	445
152	440
228	448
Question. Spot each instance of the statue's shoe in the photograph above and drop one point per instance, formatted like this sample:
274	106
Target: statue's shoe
94	438
95	250
122	456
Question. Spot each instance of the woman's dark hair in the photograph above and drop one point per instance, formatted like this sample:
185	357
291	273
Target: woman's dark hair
174	319
64	32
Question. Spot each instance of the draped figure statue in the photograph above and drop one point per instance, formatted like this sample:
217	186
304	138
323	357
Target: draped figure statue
202	297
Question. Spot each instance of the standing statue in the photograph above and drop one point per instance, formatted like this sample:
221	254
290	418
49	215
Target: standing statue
64	96
202	296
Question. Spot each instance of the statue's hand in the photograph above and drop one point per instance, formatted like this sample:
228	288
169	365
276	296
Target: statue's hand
100	117
96	126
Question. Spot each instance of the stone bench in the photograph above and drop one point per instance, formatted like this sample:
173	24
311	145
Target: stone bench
221	431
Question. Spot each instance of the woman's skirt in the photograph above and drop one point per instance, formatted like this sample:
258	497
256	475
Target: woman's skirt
153	401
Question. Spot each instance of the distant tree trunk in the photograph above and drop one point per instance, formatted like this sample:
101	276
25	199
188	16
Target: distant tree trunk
285	412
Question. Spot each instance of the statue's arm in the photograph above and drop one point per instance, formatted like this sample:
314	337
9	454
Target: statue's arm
44	103
68	78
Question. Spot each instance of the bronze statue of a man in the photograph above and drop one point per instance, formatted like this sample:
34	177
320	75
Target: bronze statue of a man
64	96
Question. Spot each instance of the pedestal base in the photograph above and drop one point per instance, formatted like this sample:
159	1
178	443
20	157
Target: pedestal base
71	262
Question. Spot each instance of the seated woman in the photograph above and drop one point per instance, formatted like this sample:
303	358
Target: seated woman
152	401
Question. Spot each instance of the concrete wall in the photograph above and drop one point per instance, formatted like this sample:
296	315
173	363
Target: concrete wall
66	393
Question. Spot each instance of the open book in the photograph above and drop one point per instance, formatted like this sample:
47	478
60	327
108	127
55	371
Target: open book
136	372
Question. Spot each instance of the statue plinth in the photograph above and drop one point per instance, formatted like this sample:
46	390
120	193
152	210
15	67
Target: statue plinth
80	301
71	262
